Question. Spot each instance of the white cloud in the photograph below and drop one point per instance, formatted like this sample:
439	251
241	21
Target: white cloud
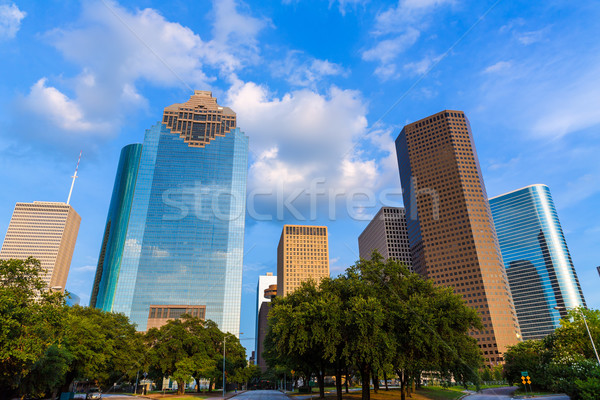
302	136
400	27
531	37
343	5
389	49
53	105
10	20
86	268
301	70
500	66
117	49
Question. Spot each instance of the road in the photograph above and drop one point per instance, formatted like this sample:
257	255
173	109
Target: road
506	393
261	395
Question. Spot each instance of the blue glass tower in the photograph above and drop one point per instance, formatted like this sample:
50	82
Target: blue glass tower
175	228
540	271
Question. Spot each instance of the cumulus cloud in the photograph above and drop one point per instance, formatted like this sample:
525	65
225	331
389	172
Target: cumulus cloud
10	20
304	139
54	106
117	49
397	29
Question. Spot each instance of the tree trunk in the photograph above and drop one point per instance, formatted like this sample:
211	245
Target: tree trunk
338	383
385	380
347	381
375	383
210	384
197	385
402	384
365	375
321	381
181	387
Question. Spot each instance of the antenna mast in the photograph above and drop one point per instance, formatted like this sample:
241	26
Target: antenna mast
74	177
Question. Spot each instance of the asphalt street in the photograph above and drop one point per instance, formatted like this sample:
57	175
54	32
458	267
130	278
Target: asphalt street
261	395
505	393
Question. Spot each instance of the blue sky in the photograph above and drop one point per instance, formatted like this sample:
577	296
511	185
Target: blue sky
313	84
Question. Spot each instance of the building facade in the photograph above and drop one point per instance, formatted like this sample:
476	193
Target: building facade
264	282
450	228
46	231
387	233
262	324
537	260
174	233
302	254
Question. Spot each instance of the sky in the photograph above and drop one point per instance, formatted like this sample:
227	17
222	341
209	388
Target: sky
321	88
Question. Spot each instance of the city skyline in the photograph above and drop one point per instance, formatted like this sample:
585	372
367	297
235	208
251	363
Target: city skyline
317	105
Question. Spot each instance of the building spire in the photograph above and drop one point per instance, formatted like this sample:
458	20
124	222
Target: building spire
74	177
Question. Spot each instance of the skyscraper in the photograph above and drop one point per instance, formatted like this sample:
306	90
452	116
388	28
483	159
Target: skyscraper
302	254
387	234
539	267
450	228
46	231
174	233
262	323
264	282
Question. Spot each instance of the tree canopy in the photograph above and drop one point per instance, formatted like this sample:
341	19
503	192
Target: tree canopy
378	314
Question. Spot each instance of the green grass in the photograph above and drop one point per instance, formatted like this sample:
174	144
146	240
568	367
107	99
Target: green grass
438	393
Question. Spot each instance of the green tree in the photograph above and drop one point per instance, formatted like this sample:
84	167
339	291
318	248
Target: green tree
32	320
104	347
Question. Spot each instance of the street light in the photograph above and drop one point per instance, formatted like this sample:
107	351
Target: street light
586	327
225	341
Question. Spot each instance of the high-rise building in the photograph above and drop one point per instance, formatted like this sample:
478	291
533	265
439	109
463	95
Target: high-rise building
386	233
450	228
174	234
262	323
598	268
302	254
537	261
264	281
46	231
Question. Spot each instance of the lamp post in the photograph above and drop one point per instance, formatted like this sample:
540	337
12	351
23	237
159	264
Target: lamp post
586	327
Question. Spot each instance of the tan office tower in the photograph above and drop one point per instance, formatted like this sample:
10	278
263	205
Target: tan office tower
46	231
302	254
450	226
387	234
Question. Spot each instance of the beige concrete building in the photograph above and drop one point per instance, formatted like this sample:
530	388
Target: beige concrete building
46	231
160	314
302	254
450	227
387	233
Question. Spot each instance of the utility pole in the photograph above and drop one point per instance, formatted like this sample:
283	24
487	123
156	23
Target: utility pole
224	341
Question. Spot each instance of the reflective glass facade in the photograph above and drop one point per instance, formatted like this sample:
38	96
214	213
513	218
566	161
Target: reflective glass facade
180	239
539	267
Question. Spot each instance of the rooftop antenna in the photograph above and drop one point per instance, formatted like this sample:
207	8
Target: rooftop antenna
74	177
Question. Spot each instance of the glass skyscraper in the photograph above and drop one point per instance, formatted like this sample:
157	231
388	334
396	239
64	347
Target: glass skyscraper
540	271
174	235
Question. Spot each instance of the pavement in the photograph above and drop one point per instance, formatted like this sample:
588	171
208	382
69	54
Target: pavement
261	395
507	393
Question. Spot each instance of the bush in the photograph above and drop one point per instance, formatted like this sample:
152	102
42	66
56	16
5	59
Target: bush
588	389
